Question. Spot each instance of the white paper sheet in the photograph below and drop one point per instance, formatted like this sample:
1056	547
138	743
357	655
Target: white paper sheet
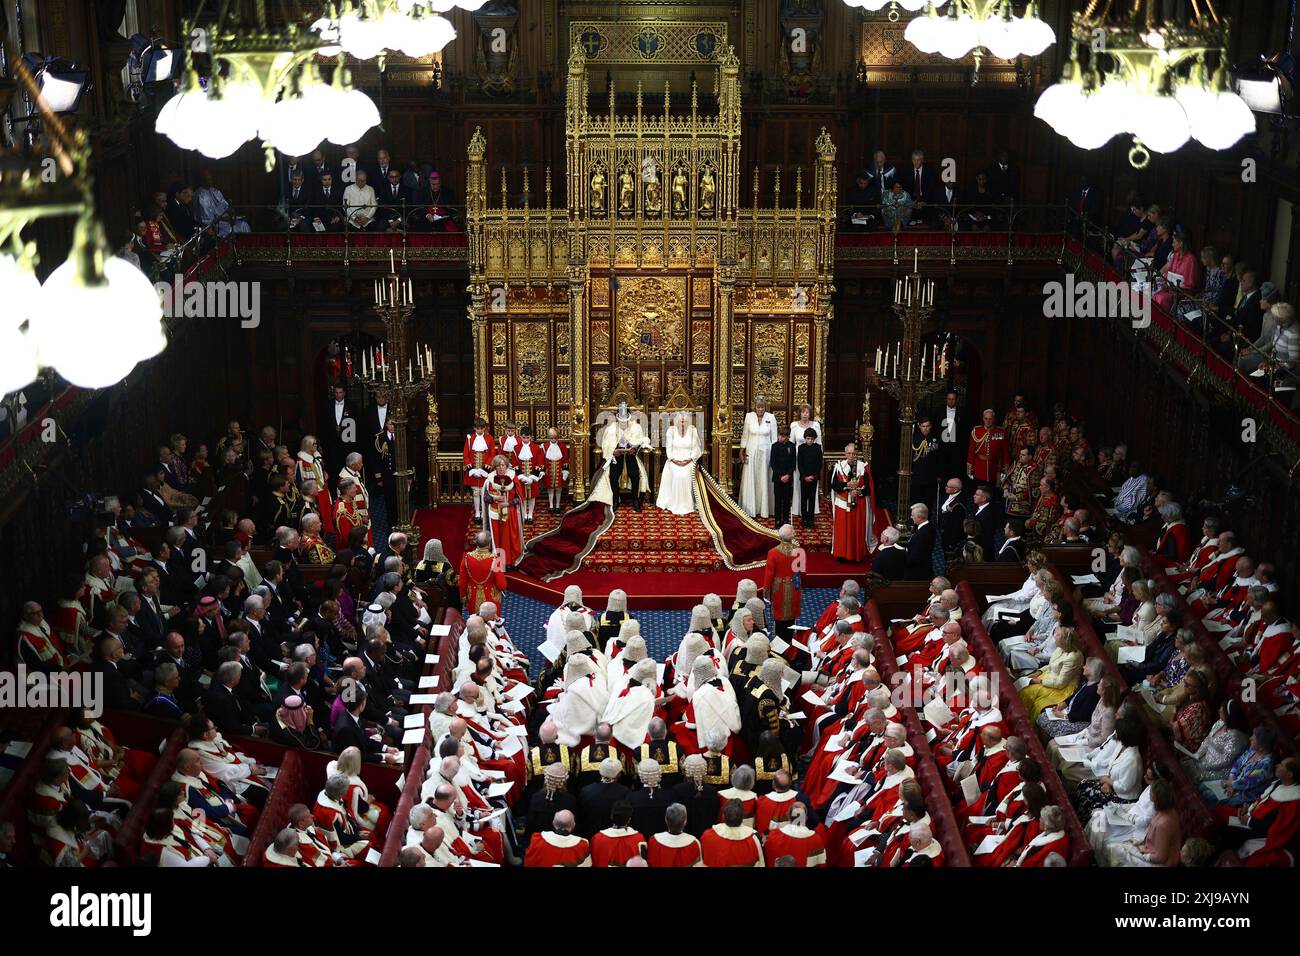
428	680
413	737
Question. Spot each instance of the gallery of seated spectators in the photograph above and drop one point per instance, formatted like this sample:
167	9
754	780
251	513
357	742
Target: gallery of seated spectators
821	434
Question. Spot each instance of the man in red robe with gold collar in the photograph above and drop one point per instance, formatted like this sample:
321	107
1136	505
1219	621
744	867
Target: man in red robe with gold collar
781	580
481	577
986	452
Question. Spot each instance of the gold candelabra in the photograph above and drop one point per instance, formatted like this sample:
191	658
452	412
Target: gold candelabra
402	370
909	371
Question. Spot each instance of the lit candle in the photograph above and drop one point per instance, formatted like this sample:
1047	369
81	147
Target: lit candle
410	294
909	368
392	265
916	260
428	358
409	376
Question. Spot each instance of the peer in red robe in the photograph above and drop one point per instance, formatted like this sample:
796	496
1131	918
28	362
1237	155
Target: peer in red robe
781	582
853	501
549	848
731	845
673	850
504	513
796	840
482	579
1277	811
615	845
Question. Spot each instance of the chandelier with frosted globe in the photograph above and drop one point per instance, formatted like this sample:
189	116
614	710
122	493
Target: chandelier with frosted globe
978	26
1162	81
367	29
264	82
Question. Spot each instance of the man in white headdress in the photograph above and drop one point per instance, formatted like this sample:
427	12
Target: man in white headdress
558	625
682	449
582	703
616	645
617	669
756	439
693	646
630	710
621	444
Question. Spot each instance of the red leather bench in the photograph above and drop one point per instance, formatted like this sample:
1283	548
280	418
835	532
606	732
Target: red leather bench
1017	719
289	788
946	830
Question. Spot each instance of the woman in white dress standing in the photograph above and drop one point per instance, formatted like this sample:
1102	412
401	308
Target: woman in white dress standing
755	455
677	482
803	423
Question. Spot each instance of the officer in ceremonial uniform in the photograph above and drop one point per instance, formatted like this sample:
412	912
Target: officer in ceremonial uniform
315	551
664	752
587	761
925	462
541	757
1019	490
986	453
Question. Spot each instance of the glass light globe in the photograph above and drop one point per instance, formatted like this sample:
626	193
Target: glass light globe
296	124
914	5
94	335
959	37
231	119
998	36
1058	103
424	35
1161	124
925	33
1032	35
1217	120
1094	123
1119	106
18	365
22	292
354	113
184	118
363	39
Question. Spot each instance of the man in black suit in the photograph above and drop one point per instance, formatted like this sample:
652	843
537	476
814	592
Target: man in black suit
377	172
376	418
348	732
1013	548
1004	178
952	515
808	458
318	167
920	547
118	692
291	166
946	200
923	185
253	690
328	212
151	617
783	477
340	430
395	200
861	203
881	176
223	704
952	426
987	517
890	561
1246	317
173	652
596	800
299	198
153	502
1085	205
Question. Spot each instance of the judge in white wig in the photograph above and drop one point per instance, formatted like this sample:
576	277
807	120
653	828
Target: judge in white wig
630	711
579	708
559	623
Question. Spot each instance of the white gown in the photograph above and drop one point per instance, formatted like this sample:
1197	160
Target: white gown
756	476
797	430
677	482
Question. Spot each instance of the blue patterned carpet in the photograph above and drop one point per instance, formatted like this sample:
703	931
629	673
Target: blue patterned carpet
662	630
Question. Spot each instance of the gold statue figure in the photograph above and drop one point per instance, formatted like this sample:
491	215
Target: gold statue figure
679	191
598	191
626	191
707	189
654	201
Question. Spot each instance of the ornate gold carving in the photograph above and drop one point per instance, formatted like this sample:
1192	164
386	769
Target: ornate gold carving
532	362
701	292
500	390
701	343
498	343
768	359
651	317
700	385
800	394
802	345
600	292
599	189
738	350
600	343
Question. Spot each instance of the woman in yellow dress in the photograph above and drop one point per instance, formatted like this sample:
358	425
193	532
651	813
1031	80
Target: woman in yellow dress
1058	680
